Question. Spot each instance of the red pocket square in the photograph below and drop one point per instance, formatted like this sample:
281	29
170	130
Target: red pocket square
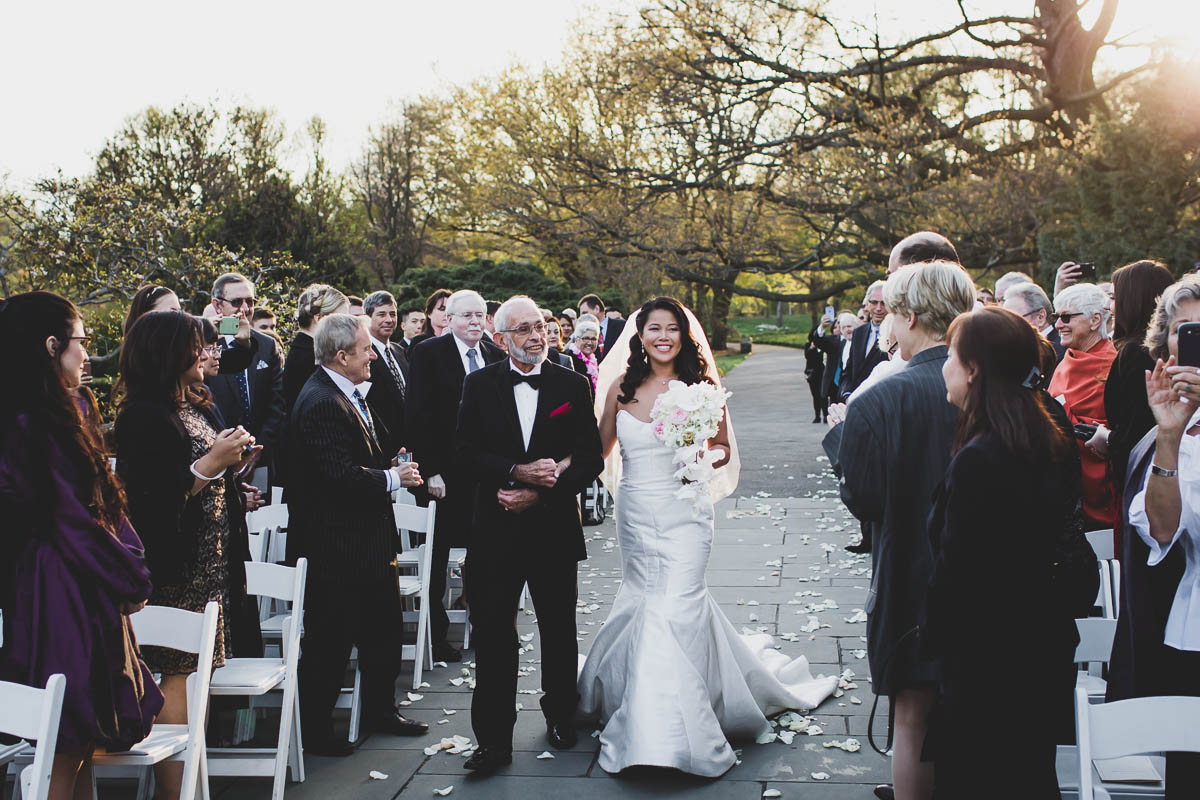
565	408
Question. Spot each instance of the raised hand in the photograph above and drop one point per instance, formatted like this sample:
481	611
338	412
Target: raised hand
1173	393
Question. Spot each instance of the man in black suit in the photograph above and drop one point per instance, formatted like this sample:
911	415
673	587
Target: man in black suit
610	329
437	367
527	434
252	397
389	370
834	345
341	521
865	352
412	322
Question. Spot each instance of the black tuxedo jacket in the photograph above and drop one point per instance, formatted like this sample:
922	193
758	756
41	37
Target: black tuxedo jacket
267	407
861	361
431	408
340	511
490	444
612	332
386	399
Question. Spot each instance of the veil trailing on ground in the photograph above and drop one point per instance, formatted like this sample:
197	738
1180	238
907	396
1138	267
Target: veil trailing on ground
612	368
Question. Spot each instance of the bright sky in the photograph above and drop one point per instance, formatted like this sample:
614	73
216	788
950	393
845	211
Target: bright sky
75	71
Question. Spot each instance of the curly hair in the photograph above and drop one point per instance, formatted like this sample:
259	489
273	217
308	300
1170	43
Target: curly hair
690	365
160	346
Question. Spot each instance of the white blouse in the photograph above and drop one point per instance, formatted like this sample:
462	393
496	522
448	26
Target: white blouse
1183	624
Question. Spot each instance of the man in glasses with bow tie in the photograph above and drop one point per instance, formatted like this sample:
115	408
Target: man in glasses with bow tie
527	434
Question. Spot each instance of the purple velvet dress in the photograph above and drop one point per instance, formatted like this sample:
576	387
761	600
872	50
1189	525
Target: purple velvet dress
70	576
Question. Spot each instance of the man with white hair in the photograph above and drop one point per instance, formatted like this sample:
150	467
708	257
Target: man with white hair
864	351
527	435
1006	280
437	367
1030	301
340	480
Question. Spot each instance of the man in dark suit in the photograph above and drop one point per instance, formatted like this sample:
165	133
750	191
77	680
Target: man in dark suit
412	322
389	370
253	397
834	345
341	521
527	434
437	367
865	352
610	329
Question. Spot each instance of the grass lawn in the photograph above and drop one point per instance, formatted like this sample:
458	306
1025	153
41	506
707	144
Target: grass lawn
793	334
727	361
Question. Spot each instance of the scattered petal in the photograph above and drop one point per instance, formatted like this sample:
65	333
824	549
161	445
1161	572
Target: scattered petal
376	775
820	776
443	792
545	754
415	697
772	793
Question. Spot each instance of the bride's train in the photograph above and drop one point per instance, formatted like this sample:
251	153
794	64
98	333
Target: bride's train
668	675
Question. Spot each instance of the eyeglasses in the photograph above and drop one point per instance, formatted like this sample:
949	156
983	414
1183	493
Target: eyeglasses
589	338
237	302
83	340
213	350
1066	316
526	329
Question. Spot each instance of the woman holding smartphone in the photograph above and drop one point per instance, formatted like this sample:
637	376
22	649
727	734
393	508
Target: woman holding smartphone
174	464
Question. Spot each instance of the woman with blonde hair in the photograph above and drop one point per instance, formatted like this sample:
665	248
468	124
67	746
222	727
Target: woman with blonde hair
315	302
895	448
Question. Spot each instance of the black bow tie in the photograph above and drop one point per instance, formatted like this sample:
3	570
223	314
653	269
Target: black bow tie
533	380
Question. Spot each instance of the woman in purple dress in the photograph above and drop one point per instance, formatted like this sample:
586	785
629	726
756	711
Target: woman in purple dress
71	567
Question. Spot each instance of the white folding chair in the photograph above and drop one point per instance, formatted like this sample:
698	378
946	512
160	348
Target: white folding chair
255	677
409	519
276	495
1092	654
457	616
190	633
32	714
1140	726
1103	544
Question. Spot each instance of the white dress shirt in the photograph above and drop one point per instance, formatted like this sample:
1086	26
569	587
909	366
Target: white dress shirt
1183	623
343	383
872	337
463	347
527	399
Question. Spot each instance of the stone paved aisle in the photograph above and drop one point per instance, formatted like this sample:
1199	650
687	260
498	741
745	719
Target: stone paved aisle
777	565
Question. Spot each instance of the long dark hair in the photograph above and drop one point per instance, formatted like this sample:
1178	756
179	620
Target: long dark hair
159	347
1136	289
1004	350
34	386
142	302
690	365
431	304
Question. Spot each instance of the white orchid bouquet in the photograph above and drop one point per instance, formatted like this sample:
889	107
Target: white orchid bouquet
684	418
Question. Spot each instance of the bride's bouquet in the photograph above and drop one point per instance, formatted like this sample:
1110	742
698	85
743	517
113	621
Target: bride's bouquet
684	418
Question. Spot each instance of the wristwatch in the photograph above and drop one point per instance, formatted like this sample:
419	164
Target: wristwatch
1163	473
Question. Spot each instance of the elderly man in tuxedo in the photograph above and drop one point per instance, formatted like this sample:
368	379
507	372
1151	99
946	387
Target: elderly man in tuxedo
527	434
865	353
438	366
250	397
389	370
341	521
1030	301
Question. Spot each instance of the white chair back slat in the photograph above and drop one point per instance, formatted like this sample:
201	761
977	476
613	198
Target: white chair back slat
1102	542
162	626
258	545
273	580
1095	640
276	495
34	714
410	519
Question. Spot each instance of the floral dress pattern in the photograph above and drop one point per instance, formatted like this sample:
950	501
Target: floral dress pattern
209	578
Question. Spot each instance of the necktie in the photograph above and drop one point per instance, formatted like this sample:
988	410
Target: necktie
533	380
472	360
394	368
871	337
366	413
244	395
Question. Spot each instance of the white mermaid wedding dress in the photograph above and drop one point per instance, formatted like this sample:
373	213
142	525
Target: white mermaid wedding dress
668	675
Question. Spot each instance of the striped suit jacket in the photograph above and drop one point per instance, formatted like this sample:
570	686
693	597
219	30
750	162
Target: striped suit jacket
894	453
340	513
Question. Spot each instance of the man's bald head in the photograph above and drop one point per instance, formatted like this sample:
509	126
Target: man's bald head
919	248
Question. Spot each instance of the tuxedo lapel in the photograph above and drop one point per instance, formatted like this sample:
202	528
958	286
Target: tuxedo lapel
508	405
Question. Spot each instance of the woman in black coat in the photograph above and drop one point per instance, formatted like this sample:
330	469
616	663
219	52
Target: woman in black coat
316	302
996	529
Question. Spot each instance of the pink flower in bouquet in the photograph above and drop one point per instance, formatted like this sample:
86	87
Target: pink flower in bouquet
658	429
679	416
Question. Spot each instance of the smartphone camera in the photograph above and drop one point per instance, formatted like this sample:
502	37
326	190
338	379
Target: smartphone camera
1087	270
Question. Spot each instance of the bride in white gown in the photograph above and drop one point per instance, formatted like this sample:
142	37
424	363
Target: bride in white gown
668	675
